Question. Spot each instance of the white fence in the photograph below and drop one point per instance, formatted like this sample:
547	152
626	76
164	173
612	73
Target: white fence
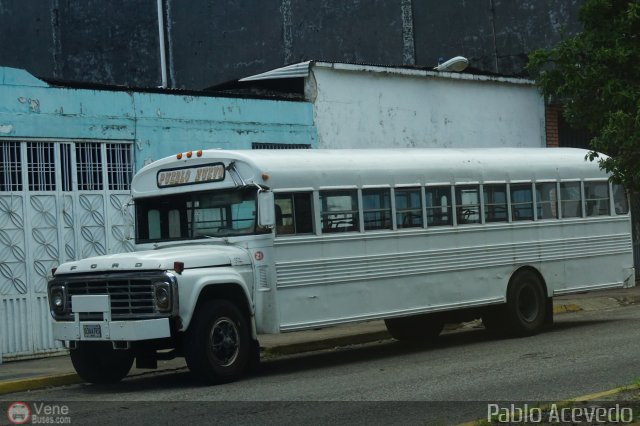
59	201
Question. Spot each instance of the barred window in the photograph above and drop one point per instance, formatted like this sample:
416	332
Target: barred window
438	202
119	166
89	166
10	170
547	200
620	200
467	204
408	207
570	199
41	167
339	211
596	198
294	213
376	204
521	202
66	171
495	203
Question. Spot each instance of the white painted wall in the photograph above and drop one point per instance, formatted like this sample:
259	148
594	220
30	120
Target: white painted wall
367	109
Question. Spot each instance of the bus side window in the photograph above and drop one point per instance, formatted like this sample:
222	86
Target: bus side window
408	207
438	203
376	206
467	204
495	203
294	214
570	199
521	202
339	211
547	200
620	202
596	198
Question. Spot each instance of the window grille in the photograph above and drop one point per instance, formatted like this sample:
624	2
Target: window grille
10	170
41	166
260	145
66	170
89	166
119	166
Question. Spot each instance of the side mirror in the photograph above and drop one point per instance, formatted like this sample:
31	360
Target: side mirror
266	212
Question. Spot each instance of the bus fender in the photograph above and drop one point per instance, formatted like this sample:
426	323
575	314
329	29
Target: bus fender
223	283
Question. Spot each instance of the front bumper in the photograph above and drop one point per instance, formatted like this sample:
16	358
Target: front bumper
130	331
107	329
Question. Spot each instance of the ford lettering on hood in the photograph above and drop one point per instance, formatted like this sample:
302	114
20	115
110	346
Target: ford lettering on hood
198	256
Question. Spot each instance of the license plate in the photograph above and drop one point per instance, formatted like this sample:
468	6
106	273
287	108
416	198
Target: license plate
92	331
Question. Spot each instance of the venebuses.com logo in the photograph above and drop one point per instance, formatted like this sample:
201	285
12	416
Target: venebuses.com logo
18	413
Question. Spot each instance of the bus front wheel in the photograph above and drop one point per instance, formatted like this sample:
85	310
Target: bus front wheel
218	344
99	363
415	329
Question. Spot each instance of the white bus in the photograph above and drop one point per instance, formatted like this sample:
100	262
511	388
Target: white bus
234	244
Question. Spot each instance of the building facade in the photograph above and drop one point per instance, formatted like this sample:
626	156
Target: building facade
200	43
67	156
67	153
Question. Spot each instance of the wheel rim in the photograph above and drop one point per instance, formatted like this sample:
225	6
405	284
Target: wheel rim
225	341
528	304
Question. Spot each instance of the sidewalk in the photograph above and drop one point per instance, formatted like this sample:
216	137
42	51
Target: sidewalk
16	376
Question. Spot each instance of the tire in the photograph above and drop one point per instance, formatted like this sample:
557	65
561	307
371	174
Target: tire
218	343
99	363
415	329
526	310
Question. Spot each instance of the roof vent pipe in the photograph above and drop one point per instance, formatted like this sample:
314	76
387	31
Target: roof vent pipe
163	58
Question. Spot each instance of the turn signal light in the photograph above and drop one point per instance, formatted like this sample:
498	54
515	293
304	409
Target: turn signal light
178	267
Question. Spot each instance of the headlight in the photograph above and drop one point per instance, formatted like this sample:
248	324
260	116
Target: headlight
162	296
58	300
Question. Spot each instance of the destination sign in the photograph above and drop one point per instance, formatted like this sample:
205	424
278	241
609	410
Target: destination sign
191	175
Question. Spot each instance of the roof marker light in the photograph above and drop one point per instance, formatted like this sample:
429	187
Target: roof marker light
199	153
189	154
179	156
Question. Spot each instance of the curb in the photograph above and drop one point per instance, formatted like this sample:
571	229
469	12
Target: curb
41	382
559	309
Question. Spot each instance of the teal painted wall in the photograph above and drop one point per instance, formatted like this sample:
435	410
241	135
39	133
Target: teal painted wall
159	124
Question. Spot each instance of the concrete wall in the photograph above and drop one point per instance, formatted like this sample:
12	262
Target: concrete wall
361	109
160	124
210	42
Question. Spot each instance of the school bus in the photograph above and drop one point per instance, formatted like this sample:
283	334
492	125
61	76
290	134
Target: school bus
234	244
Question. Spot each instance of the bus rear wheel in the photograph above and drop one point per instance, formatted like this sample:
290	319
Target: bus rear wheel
526	309
218	343
415	329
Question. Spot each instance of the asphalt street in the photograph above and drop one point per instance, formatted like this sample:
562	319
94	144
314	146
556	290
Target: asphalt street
447	383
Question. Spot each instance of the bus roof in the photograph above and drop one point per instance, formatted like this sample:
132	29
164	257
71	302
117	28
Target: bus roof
317	169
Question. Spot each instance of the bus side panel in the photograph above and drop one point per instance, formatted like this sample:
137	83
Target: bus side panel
352	277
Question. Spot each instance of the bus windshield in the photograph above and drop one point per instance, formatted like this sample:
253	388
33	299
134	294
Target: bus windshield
196	215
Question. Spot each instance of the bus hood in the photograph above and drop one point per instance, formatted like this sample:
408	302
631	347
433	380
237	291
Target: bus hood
193	256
